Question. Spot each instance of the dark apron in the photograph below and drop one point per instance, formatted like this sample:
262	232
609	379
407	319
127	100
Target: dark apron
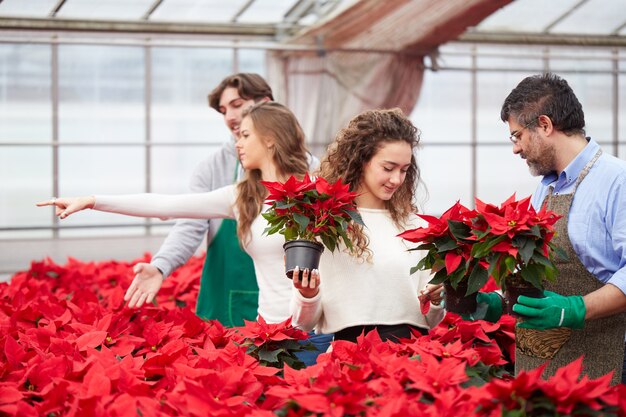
601	341
228	288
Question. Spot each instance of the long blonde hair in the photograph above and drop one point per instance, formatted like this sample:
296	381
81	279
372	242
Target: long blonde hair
274	121
355	145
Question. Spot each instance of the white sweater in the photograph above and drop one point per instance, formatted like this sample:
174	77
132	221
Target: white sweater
266	251
354	293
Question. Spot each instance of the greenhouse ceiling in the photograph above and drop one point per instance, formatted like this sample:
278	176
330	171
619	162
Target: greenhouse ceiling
520	21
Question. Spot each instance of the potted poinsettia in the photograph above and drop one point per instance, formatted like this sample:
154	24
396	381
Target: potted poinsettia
511	243
448	246
311	214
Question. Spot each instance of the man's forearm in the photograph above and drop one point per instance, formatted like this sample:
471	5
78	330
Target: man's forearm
606	301
181	243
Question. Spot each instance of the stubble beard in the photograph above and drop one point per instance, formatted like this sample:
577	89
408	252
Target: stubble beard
542	161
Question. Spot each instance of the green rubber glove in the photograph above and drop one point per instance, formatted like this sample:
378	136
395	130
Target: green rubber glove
554	310
489	307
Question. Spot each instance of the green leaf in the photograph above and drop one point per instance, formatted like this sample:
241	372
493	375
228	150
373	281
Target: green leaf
274	229
457	275
532	273
459	229
446	244
492	260
535	231
480	235
283	205
560	253
422	263
540	259
482	249
425	246
329	243
303	221
438	264
290	233
415	268
477	279
356	216
503	267
550	274
510	263
270	356
526	248
439	277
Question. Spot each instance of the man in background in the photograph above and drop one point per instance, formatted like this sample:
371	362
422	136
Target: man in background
228	288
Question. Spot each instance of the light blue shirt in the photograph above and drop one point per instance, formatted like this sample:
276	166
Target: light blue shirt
597	218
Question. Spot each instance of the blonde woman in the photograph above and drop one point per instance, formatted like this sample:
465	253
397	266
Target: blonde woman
271	148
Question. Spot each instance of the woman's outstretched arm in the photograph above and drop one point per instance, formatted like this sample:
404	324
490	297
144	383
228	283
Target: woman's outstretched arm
211	205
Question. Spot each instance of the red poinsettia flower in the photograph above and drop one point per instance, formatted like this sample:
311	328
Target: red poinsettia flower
568	390
290	189
511	218
508	393
311	209
65	349
489	242
261	332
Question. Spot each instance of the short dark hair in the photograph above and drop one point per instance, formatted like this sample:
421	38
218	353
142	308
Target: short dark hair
545	94
249	86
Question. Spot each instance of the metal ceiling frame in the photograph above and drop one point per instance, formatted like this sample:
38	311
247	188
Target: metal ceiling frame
542	39
241	10
117	26
545	36
151	9
56	8
287	27
563	16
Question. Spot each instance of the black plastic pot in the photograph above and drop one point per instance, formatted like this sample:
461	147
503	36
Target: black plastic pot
514	287
304	254
456	300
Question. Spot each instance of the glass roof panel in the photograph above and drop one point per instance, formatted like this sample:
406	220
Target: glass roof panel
270	11
216	11
30	8
526	16
588	17
598	17
104	10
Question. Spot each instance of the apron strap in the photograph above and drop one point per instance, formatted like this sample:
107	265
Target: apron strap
586	169
581	177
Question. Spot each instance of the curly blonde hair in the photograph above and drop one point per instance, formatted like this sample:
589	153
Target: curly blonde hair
290	156
355	145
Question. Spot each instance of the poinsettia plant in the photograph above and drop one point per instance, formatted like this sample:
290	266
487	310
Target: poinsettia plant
473	245
70	347
311	209
272	344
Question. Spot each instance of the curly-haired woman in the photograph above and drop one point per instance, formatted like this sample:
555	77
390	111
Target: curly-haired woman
371	288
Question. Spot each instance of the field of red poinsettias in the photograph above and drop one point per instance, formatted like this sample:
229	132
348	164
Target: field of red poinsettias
69	347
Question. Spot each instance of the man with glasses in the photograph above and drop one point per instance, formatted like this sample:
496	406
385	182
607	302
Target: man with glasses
582	313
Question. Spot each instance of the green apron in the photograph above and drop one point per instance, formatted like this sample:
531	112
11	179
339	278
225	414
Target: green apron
228	289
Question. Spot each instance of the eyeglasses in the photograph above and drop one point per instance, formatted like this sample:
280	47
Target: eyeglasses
514	137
